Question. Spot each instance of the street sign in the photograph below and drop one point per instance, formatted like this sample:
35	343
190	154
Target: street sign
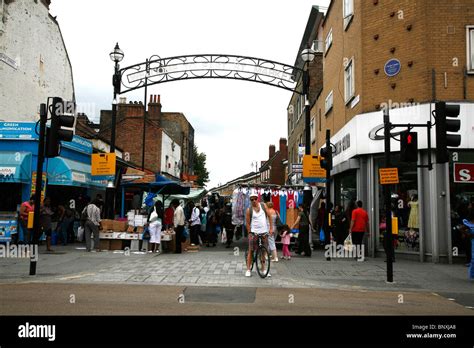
312	171
388	176
103	164
297	168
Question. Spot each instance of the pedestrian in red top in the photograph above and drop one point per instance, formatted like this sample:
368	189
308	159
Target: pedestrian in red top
169	215
25	209
359	224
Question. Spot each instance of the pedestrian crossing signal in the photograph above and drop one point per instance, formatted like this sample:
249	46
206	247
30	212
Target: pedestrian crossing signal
409	146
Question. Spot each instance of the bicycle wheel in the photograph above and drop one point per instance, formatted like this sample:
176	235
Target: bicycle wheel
253	261
263	262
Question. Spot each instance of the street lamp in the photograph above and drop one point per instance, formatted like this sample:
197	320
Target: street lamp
116	56
307	55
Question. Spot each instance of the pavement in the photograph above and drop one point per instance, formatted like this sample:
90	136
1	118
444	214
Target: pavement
223	268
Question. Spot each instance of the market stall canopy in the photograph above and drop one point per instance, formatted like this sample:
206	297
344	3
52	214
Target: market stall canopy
66	172
15	167
195	195
161	185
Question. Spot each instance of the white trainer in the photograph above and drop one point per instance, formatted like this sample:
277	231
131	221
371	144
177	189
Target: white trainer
248	273
269	275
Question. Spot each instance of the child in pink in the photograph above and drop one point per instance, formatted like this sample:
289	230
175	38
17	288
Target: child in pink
285	239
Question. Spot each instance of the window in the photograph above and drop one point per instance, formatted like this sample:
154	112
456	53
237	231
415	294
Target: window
470	48
318	46
329	102
319	120
349	84
348	12
328	41
312	131
290	118
299	106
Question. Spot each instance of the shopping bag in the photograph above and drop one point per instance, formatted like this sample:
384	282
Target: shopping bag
322	236
80	233
348	243
224	237
186	232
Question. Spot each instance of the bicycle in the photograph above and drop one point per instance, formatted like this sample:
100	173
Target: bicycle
260	256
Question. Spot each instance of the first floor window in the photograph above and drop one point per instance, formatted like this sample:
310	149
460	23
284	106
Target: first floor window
349	85
470	49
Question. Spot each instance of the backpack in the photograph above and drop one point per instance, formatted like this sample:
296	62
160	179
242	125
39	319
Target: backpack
84	216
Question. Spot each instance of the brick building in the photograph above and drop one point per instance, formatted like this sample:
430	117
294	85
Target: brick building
272	171
296	107
399	56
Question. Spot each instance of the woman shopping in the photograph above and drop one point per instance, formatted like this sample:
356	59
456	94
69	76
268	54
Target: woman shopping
154	227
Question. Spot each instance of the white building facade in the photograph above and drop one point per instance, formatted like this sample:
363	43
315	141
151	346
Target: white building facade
34	63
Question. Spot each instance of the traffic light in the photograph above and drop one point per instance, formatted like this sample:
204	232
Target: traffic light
326	161
443	126
409	146
55	134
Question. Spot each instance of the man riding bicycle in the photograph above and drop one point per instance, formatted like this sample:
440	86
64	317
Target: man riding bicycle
257	224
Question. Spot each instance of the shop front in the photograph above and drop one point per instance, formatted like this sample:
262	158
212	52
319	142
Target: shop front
426	205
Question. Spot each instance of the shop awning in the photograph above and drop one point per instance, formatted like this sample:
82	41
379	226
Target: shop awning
66	172
161	185
15	167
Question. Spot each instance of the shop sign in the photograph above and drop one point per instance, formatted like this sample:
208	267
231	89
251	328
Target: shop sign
18	130
103	164
7	228
78	144
79	177
388	176
463	172
43	185
7	173
343	144
312	171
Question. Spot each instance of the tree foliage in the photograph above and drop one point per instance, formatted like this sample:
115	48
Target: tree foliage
200	167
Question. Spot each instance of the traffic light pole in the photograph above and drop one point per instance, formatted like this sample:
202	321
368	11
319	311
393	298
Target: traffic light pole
387	202
327	222
39	184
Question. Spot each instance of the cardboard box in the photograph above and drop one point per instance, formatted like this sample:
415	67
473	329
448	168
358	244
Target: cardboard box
119	226
107	225
104	244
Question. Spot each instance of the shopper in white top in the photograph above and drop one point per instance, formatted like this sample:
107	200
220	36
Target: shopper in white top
154	227
195	224
92	225
258	224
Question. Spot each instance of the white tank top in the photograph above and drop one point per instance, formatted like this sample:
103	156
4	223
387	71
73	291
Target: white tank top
259	224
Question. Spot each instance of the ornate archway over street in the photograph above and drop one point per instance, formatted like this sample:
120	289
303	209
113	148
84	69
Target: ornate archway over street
160	70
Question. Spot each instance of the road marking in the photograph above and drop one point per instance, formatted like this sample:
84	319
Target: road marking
451	299
77	276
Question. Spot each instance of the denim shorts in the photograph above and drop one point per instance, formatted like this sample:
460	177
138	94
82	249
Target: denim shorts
271	243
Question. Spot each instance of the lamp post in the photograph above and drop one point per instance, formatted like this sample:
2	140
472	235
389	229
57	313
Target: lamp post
116	56
255	163
307	55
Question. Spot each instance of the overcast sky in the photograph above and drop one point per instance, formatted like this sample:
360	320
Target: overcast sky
234	121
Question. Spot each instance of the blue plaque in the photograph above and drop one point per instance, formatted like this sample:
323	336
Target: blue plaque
392	67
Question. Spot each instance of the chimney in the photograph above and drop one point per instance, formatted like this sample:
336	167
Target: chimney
154	109
271	152
283	148
46	3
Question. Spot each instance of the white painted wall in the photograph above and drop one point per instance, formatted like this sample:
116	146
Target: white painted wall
31	41
172	166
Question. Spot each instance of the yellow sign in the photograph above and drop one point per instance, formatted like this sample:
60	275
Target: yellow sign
103	164
31	217
394	225
43	185
312	171
388	176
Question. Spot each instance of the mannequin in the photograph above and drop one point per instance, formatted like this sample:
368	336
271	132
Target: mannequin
413	221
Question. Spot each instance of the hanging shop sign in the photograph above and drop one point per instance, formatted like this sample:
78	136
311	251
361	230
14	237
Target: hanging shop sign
297	168
388	176
464	173
78	144
103	164
312	171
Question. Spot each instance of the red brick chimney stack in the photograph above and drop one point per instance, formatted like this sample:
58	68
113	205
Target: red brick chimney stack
271	152
283	148
154	109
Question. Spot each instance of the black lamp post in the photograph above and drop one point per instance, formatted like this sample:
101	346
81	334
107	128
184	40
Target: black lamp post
307	55
116	56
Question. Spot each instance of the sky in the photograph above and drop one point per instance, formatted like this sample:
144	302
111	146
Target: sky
235	122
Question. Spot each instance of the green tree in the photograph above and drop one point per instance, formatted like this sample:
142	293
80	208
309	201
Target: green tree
200	167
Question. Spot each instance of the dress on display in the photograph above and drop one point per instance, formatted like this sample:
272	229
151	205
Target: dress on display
413	221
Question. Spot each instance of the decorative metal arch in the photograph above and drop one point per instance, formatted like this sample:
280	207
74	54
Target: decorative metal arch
160	70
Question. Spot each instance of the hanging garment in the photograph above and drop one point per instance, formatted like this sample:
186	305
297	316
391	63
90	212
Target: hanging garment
300	198
290	203
291	216
413	221
267	195
283	206
276	200
238	198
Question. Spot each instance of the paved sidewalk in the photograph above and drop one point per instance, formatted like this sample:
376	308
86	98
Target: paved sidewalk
225	267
